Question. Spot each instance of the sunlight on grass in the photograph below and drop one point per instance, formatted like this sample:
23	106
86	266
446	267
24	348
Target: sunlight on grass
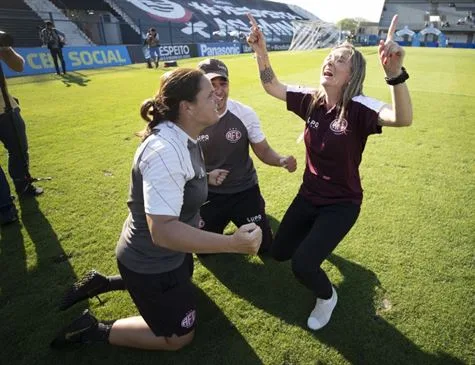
404	274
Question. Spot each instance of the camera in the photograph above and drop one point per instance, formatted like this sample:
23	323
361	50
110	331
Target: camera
6	40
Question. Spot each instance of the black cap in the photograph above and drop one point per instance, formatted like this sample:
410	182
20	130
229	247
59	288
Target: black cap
212	68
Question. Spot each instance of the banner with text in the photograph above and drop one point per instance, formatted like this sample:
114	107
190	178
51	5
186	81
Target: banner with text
39	60
270	47
205	20
218	49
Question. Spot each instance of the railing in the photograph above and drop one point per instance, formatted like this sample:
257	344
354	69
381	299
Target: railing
107	30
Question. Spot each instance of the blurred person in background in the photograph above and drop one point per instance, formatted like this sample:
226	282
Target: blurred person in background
152	43
55	41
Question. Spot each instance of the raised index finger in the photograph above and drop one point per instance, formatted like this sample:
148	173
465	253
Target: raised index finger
392	29
252	20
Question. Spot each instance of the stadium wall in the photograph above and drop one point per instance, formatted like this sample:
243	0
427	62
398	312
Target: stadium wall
38	60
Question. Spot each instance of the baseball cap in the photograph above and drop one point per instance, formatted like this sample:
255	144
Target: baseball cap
213	67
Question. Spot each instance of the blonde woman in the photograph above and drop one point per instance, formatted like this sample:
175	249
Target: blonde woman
339	119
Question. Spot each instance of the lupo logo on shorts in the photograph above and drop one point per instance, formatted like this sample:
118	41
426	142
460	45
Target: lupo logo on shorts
233	135
189	319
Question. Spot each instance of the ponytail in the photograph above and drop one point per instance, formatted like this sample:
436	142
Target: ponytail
149	113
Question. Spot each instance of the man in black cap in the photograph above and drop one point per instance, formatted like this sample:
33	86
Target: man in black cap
234	194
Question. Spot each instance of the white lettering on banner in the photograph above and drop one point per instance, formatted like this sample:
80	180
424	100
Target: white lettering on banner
280	28
39	61
218	51
217	9
279	47
231	24
97	57
163	9
230	10
205	9
179	50
196	28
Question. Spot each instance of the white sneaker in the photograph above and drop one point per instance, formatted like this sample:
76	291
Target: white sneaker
322	312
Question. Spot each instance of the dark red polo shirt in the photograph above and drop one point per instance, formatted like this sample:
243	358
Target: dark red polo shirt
334	148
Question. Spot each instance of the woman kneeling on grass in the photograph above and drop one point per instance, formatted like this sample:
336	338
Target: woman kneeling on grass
168	186
339	119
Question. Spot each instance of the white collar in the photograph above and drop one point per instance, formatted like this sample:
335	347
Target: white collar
167	125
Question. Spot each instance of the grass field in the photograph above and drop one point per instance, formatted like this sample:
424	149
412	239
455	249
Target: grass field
404	274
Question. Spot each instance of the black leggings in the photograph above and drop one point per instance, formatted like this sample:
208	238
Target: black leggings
308	234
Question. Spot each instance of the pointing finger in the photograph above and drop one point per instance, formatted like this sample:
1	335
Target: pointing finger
392	29
252	20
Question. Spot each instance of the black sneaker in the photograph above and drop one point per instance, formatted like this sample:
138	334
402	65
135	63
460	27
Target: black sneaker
30	190
76	331
90	285
9	215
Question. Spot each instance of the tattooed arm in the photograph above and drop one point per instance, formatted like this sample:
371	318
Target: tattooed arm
269	81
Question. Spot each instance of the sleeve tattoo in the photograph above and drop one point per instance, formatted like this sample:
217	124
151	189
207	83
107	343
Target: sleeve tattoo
267	75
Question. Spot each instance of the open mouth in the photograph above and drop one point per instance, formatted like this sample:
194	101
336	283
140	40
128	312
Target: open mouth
327	73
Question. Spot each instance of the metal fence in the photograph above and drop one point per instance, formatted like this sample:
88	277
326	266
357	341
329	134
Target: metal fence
103	29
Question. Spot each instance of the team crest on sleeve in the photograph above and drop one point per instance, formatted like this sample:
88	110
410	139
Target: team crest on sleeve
233	135
339	126
189	319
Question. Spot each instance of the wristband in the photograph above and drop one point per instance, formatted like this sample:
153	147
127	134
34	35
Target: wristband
398	79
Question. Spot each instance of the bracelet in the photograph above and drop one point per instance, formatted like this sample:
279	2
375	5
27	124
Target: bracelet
403	76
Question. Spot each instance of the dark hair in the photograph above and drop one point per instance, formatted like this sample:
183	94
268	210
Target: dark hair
48	22
175	86
152	30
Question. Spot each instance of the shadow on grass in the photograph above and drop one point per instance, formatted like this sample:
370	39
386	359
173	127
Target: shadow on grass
74	78
215	342
31	282
356	330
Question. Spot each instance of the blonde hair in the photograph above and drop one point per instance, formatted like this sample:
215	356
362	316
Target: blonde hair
352	89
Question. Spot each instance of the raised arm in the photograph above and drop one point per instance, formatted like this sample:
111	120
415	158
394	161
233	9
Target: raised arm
257	42
391	55
12	59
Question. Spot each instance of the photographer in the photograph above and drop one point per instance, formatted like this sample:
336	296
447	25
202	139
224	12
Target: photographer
13	137
54	40
152	43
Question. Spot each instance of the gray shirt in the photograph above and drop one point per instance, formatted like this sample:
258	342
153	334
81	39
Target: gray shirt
168	178
226	146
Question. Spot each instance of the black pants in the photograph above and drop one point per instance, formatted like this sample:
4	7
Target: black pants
13	137
308	234
6	200
58	53
247	206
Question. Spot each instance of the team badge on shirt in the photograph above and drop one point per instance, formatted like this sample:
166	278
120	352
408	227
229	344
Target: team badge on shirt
233	135
339	126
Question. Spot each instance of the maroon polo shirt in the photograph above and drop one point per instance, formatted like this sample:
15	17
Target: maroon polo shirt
334	148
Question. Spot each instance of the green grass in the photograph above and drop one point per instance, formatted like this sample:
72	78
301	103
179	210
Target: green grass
405	273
